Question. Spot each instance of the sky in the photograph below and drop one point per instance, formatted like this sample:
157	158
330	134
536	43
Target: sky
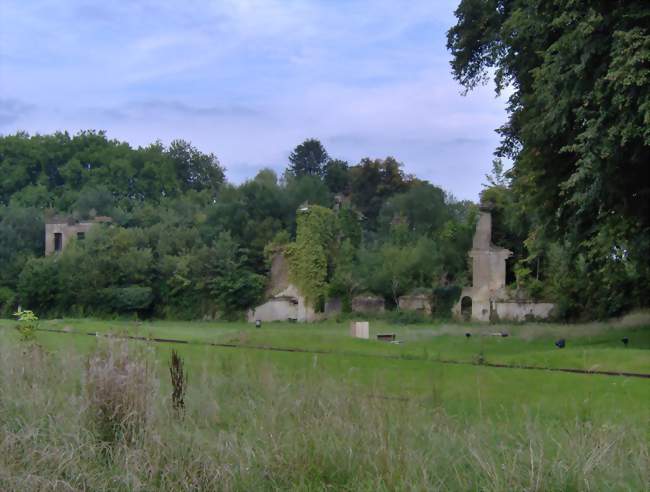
250	79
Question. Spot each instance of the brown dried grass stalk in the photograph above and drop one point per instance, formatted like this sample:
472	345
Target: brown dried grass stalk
120	387
179	381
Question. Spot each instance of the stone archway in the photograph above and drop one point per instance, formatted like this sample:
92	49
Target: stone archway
466	308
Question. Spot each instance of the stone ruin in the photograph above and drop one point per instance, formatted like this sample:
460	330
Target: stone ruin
488	299
284	300
368	303
59	231
420	303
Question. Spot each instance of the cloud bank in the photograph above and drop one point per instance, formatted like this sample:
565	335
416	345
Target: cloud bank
250	79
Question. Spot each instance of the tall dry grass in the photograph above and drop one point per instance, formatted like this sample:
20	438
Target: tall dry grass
246	428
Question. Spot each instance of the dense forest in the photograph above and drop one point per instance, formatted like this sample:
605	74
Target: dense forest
184	243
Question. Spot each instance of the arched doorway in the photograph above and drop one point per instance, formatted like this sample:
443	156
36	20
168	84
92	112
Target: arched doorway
466	308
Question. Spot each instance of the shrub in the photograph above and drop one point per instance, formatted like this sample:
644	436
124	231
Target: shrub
125	299
27	324
120	387
444	299
7	297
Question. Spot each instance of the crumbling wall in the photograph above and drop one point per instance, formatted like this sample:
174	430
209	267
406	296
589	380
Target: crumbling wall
523	310
68	228
368	304
488	299
415	302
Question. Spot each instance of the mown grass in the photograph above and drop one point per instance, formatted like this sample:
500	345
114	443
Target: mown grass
595	346
351	419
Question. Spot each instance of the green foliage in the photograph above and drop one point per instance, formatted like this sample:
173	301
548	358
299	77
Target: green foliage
372	182
7	297
232	286
27	324
578	135
336	176
309	255
308	159
127	299
184	244
443	299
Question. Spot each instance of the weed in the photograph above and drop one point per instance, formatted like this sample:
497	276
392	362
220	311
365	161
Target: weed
119	389
179	381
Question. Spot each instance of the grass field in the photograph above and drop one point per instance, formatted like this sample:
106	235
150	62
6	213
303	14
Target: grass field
340	413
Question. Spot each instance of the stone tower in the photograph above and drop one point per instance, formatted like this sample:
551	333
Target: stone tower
488	273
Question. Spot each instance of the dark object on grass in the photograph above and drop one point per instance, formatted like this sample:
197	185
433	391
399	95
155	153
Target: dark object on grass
179	381
258	324
504	335
625	341
561	343
468	335
386	337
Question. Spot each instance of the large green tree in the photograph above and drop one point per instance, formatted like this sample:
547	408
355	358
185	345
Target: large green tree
308	159
578	129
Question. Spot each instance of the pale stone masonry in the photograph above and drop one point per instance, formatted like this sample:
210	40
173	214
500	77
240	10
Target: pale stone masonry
488	299
60	230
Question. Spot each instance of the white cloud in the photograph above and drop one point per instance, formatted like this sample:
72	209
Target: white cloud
249	79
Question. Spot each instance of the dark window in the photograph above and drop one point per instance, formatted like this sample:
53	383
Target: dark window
81	236
58	241
466	308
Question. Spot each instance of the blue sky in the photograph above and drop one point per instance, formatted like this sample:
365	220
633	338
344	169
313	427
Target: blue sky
251	79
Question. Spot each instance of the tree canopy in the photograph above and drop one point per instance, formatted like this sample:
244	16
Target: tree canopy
578	132
184	243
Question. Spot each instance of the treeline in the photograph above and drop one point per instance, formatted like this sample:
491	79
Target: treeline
184	243
576	202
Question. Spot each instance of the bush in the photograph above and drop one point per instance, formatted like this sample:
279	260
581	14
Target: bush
126	299
120	388
27	324
7	297
444	299
407	317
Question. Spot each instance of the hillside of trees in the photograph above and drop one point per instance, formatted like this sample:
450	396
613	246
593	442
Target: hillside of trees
184	243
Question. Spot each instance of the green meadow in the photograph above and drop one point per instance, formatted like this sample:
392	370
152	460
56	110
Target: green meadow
442	417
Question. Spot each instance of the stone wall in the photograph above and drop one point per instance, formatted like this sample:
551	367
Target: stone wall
523	310
488	299
65	229
416	302
368	304
287	305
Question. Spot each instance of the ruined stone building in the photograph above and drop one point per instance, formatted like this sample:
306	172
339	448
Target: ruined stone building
488	299
59	231
284	300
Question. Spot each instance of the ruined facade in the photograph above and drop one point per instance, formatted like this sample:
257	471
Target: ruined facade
284	300
488	299
420	303
368	303
59	231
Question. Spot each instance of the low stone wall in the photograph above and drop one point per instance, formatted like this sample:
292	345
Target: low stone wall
417	302
276	309
368	304
523	310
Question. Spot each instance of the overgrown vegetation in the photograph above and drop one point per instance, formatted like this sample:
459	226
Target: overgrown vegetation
186	244
249	427
578	192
